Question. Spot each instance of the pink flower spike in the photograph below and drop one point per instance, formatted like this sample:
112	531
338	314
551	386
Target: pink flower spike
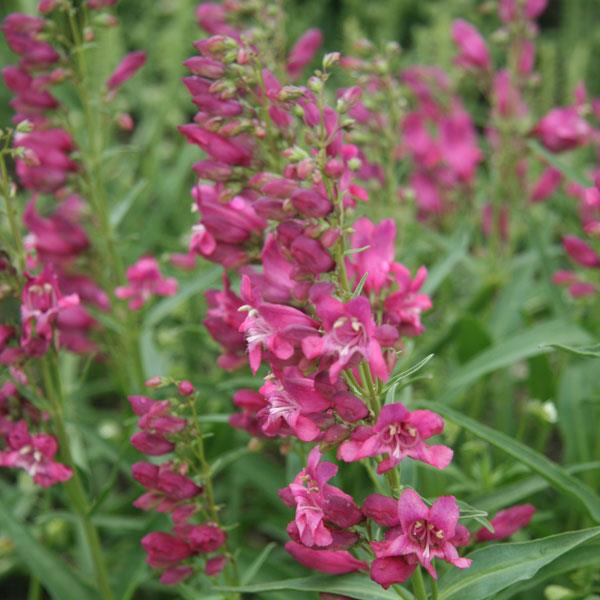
334	562
303	52
126	69
582	253
506	522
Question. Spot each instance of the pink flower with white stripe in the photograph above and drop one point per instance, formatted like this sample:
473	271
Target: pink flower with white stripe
426	533
399	434
351	335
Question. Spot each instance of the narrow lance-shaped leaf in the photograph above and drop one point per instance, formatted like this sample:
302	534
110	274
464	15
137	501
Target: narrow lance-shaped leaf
558	477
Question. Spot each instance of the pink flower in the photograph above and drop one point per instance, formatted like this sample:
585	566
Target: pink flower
156	422
166	488
318	503
403	307
546	185
230	151
291	399
215	565
334	562
509	9
205	538
277	328
175	575
583	254
473	51
506	522
390	570
562	129
41	304
126	69
303	52
223	321
46	165
145	280
377	258
425	533
399	434
350	336
58	237
251	403
100	4
34	454
22	33
165	550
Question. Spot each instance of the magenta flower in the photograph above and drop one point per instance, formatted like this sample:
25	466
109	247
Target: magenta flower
562	129
581	252
399	434
41	304
473	50
156	422
223	321
319	504
145	280
546	185
165	550
377	258
506	522
426	533
46	164
166	488
509	9
126	69
403	307
350	336
251	403
277	328
334	562
303	52
291	399
35	455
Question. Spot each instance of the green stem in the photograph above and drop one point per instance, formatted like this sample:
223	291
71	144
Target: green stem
131	365
402	592
11	212
419	585
35	589
74	487
434	589
206	474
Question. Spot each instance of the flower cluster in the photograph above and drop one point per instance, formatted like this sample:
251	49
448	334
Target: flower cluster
169	488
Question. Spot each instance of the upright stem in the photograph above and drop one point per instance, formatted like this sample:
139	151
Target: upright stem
206	473
74	487
419	585
130	365
11	211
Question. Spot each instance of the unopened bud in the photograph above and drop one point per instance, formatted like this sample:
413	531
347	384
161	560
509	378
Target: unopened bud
331	59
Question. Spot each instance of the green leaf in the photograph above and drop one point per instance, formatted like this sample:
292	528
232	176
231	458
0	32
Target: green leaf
558	477
515	492
531	342
451	259
592	351
581	557
258	562
191	288
120	210
359	287
498	566
559	164
356	585
54	575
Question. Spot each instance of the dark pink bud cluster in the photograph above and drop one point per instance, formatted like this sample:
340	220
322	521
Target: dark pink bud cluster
170	489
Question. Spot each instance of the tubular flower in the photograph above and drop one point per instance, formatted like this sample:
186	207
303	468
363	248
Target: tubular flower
425	533
399	434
